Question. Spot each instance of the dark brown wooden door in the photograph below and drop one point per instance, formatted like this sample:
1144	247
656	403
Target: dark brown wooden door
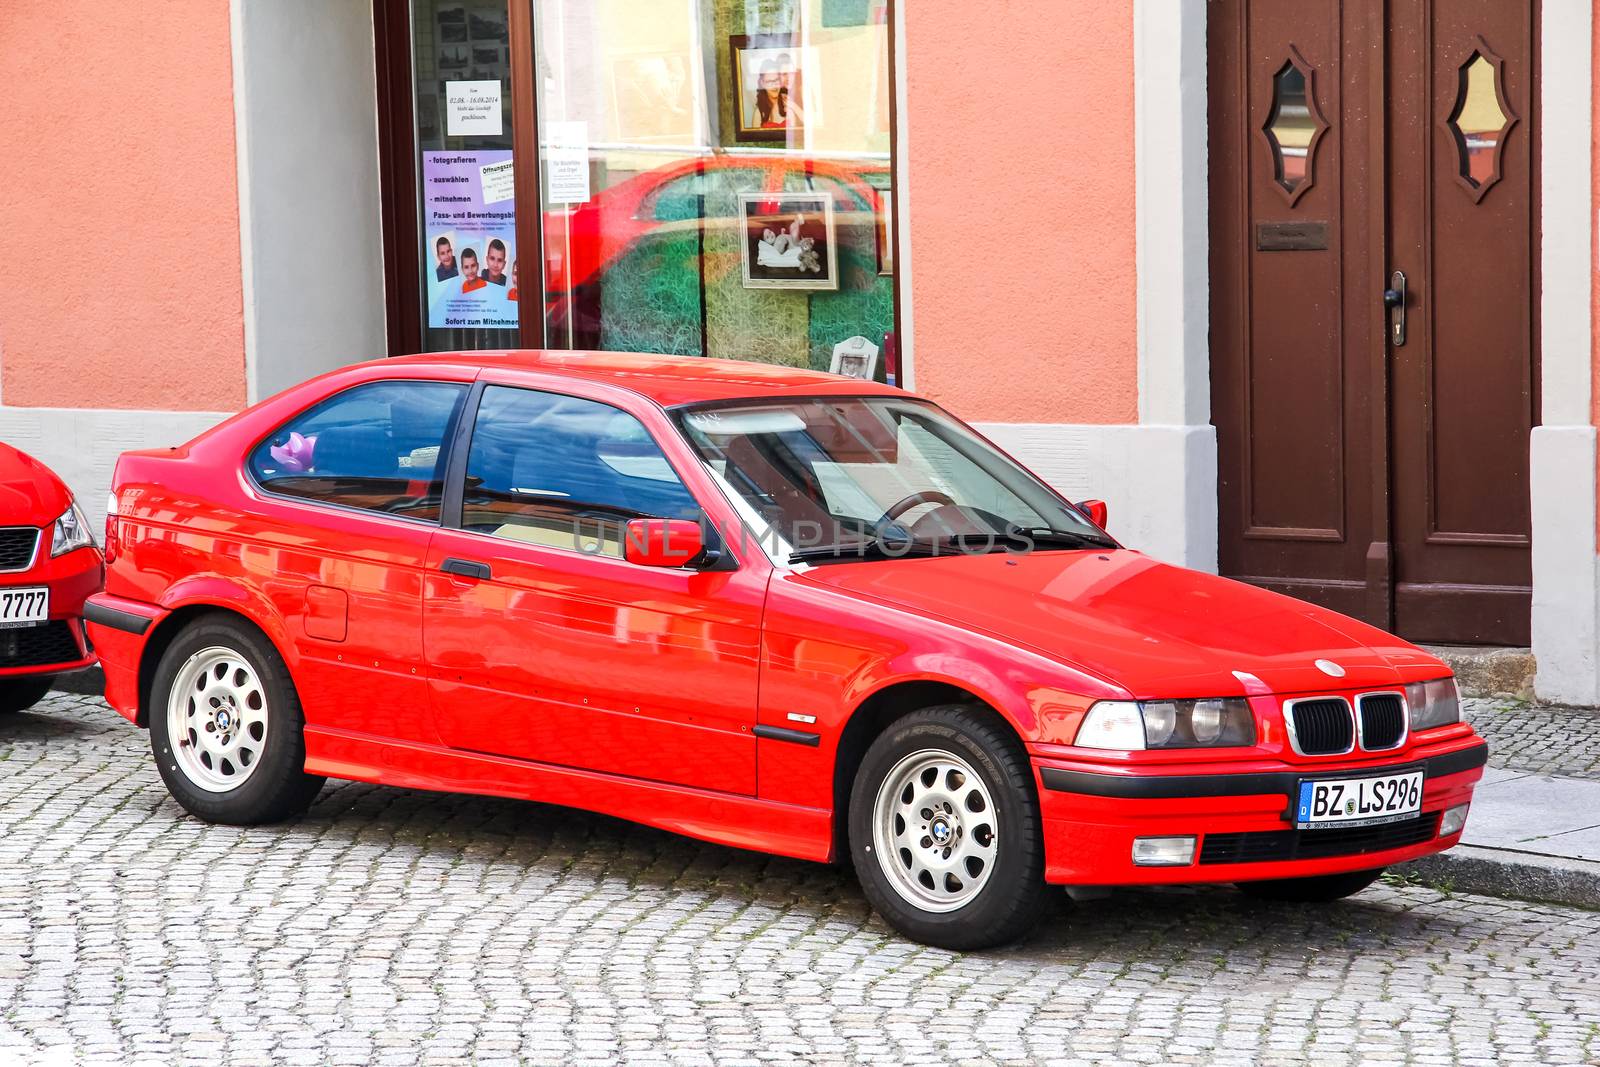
1384	475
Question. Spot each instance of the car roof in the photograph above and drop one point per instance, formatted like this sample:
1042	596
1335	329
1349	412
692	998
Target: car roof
667	380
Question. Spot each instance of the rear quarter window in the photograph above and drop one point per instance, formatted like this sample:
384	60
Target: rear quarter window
377	447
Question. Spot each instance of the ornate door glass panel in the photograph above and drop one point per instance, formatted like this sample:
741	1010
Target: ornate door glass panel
1294	126
1481	119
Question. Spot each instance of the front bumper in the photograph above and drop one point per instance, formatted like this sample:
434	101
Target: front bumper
1241	817
60	644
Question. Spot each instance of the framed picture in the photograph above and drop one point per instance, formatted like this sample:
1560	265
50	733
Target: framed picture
776	87
885	232
855	358
788	241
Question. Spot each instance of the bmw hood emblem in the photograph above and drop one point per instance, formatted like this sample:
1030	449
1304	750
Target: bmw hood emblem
1330	668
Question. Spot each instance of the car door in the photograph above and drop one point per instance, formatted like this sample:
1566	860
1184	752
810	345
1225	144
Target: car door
349	492
544	643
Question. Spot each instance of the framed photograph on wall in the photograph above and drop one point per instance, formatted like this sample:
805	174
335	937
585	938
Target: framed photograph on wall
776	86
855	358
788	241
885	232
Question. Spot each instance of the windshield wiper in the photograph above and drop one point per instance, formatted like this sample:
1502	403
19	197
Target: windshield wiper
866	550
1043	536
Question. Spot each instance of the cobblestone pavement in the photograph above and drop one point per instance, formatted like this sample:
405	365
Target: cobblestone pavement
392	926
1546	740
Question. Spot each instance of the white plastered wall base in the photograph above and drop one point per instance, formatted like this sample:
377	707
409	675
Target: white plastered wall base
1566	573
1565	567
1159	482
82	445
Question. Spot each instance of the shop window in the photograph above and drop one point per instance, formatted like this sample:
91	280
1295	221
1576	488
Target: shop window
716	179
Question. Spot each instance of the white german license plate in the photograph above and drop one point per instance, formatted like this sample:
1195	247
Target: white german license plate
1358	801
24	605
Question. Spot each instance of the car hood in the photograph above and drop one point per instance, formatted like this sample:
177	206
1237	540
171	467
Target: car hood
1154	629
30	494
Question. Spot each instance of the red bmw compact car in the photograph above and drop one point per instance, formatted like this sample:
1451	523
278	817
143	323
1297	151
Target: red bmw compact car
48	565
766	607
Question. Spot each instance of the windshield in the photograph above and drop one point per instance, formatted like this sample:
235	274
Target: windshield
843	478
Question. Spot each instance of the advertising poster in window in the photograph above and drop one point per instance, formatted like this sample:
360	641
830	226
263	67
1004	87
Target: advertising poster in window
469	230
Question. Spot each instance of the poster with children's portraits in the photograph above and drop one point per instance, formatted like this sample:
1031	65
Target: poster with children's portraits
788	241
469	240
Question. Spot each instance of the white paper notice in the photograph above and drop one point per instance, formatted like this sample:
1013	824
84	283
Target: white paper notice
498	182
472	109
566	157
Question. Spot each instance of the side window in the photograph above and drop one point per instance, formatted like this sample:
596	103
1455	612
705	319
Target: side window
844	197
709	193
564	472
378	447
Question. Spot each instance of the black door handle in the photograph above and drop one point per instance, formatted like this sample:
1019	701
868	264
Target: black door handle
466	568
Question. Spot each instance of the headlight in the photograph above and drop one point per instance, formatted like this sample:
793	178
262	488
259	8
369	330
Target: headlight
71	532
1434	703
1126	726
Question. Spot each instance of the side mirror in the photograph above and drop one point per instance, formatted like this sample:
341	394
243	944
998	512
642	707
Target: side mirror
663	542
1096	510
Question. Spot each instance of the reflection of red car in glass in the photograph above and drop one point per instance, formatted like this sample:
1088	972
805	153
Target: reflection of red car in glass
583	242
48	565
761	606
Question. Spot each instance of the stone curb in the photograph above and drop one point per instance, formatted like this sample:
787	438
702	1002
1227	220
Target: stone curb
1500	872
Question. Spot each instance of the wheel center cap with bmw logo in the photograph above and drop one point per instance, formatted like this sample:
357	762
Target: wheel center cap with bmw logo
224	720
939	831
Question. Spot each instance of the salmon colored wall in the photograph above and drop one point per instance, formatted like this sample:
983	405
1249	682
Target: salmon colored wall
1021	134
119	207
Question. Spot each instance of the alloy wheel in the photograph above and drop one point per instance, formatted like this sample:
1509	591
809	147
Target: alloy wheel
935	830
217	719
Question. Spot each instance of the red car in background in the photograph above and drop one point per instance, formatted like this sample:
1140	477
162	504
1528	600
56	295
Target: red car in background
48	565
584	241
761	606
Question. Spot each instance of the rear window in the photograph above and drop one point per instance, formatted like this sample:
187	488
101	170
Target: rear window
378	447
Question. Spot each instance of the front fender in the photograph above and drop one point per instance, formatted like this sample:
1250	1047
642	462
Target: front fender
827	654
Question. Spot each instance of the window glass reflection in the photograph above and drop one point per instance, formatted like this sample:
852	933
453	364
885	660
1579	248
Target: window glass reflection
1479	122
1291	127
733	198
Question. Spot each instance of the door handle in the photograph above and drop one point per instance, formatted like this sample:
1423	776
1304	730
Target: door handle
1394	301
466	568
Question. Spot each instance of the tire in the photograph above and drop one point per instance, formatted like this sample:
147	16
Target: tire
990	814
1319	889
23	692
235	751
